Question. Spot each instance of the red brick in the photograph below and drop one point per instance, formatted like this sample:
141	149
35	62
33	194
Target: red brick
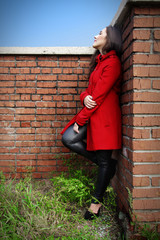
7	77
68	64
7	104
156	84
7	169
146	204
25	130
146	193
7	64
156	133
25	77
67	77
7	143
44	130
46	163
46	169
26	169
56	70
146	59
26	163
146	108
141	181
4	137
45	118
78	71
7	84
145	156
25	58
7	58
148	216
25	117
66	104
36	124
4	70
25	144
67	70
47	64
67	91
46	70
26	64
147	22
36	175
25	104
145	169
67	84
25	90
146	71
25	97
157	34
142	47
25	137
146	96
25	84
146	121
7	90
45	104
35	70
46	111
155	181
25	111
68	58
47	77
68	98
156	46
46	91
45	150
46	84
146	10
141	34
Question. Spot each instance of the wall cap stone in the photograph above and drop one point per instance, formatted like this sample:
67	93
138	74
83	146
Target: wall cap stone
123	8
47	50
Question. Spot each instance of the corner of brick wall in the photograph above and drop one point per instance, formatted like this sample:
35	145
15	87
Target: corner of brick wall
139	165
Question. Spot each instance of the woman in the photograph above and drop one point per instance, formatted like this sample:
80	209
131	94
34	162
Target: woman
100	118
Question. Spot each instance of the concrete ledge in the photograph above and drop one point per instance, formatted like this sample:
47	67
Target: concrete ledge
47	50
124	6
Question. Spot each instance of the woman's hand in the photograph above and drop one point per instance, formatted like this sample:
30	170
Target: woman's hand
76	128
89	103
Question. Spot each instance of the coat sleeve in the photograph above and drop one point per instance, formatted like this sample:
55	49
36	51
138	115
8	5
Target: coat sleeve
105	83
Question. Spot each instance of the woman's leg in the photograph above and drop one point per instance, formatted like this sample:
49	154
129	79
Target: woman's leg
74	141
106	170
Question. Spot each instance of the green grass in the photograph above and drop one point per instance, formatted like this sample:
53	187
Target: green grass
54	209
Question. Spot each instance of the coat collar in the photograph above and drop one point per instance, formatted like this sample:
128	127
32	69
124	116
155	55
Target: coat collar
102	57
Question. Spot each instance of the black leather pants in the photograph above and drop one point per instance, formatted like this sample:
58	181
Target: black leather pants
106	166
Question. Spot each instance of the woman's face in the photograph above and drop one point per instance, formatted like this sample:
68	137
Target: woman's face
100	40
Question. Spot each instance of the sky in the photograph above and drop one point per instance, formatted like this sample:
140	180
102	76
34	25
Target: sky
54	23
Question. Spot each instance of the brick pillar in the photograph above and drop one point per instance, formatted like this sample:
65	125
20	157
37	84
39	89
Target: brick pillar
139	165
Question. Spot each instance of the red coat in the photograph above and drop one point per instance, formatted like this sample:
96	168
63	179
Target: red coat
103	121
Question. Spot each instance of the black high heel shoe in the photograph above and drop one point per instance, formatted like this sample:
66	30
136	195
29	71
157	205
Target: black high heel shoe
90	216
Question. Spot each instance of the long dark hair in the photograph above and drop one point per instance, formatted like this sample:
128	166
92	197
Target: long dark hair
113	42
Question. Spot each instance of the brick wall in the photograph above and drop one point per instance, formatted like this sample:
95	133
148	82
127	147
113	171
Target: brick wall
139	165
38	96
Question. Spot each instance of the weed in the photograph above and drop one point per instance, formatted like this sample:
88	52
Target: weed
53	209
